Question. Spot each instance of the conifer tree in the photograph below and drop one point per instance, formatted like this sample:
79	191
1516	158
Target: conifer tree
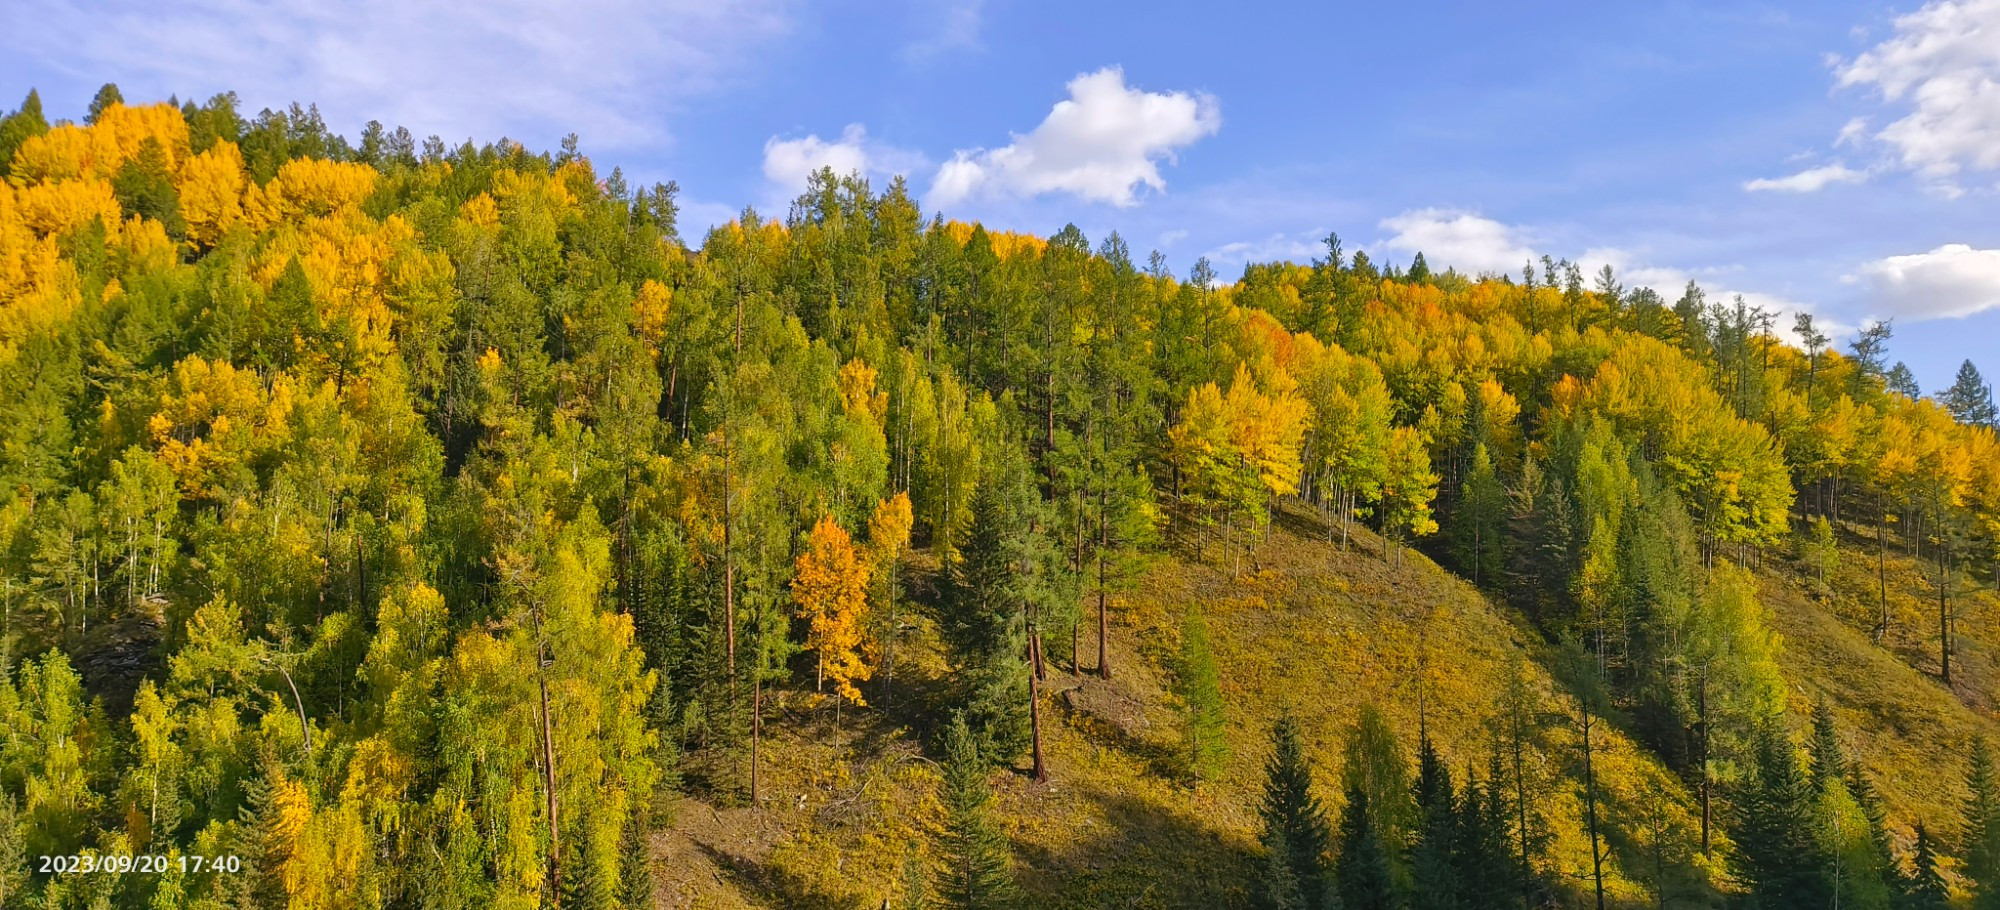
107	97
635	871
1435	851
1926	890
1479	528
916	879
1902	381
1362	873
977	870
1970	398
986	620
1783	862
13	850
1486	867
1981	840
1200	693
19	127
1295	826
1828	766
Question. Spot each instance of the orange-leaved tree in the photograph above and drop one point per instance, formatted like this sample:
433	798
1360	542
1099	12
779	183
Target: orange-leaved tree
830	589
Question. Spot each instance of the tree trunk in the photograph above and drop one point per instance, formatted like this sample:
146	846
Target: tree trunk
1590	805
1035	707
1103	622
549	783
1882	575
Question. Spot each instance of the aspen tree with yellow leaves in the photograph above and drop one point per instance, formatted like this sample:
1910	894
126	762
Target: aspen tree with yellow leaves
437	526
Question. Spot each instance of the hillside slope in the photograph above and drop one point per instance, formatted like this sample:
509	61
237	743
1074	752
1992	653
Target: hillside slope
1118	825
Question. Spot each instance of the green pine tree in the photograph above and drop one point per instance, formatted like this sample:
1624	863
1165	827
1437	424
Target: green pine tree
19	127
106	97
1828	767
1782	860
13	849
635	869
916	879
1296	835
1434	852
1479	527
1200	694
1927	889
985	613
1981	841
1362	870
977	870
1970	398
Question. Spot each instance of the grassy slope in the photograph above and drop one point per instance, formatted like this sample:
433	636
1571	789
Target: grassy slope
1117	826
1907	728
1324	632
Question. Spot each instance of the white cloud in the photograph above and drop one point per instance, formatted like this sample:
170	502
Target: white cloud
788	162
1449	238
957	27
1942	66
1474	244
1275	248
1809	180
1951	281
1099	145
607	69
1172	237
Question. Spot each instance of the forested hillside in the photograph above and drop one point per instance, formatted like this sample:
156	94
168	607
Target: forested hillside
386	524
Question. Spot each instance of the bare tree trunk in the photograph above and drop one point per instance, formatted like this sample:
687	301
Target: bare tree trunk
1590	804
1035	707
1103	622
549	783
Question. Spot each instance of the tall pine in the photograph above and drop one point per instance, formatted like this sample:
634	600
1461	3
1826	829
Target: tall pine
977	871
1295	835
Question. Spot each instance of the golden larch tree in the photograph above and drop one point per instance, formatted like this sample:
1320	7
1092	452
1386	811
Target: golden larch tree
830	590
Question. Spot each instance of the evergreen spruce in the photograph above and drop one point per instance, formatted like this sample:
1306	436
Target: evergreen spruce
1902	381
977	873
13	849
1362	871
1970	398
106	97
19	127
1434	852
1296	836
1927	889
1782	860
916	879
1828	767
1981	841
635	869
986	620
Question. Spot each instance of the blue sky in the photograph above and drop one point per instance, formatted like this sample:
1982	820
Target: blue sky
1840	157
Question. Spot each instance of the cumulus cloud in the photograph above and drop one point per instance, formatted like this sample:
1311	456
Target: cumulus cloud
788	162
1951	281
1941	70
1100	145
1809	180
1449	238
611	70
1474	244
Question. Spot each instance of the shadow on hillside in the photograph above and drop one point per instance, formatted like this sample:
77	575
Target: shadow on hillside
1145	856
776	887
1083	701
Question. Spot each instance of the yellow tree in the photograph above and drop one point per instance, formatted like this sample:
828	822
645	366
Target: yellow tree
830	590
888	535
